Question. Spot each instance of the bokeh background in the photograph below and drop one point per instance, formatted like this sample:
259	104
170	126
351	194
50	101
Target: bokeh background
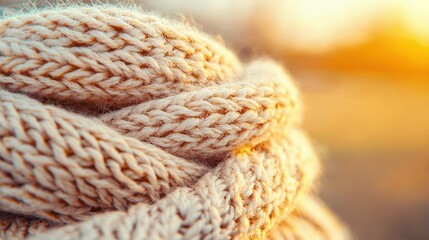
363	69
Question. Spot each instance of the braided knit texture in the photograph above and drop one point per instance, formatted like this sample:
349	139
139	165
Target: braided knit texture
119	124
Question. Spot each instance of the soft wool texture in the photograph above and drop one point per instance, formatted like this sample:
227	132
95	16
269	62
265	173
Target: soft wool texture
118	124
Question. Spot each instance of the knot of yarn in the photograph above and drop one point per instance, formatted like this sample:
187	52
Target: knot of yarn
115	119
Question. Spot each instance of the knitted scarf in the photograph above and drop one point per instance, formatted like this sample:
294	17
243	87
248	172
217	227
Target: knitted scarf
119	124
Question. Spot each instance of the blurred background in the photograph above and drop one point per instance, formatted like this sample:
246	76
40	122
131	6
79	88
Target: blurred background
363	69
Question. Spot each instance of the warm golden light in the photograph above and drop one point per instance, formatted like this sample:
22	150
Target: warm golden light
362	67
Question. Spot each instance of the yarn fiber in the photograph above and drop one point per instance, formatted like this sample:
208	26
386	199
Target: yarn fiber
119	124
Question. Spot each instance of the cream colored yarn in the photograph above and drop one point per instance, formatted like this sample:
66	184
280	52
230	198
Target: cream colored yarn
118	124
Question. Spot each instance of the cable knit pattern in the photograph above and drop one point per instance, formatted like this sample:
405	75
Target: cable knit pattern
94	55
118	124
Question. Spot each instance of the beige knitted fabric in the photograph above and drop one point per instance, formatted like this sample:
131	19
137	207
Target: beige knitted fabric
310	220
111	109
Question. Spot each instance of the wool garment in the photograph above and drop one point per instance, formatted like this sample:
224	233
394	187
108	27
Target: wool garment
116	123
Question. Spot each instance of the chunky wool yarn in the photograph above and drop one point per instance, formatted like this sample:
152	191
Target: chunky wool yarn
118	124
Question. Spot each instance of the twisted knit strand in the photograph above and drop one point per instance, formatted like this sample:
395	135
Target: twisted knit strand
118	124
92	54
